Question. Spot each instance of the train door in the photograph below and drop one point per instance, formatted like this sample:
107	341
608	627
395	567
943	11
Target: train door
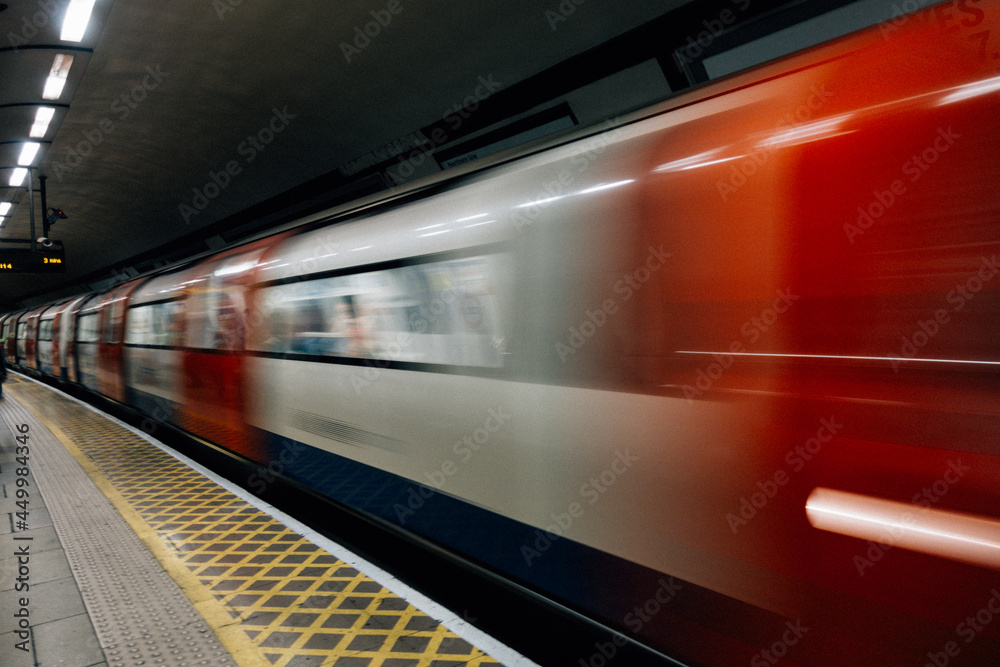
67	339
5	323
87	341
20	339
213	364
154	334
110	348
46	340
31	340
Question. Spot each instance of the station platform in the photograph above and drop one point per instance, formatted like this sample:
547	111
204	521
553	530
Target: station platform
114	550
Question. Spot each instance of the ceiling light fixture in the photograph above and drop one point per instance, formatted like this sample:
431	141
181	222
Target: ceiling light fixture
28	152
42	119
17	177
77	18
57	76
5	207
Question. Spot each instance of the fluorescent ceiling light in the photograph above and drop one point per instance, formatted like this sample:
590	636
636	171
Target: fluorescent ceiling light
77	18
42	119
17	178
5	207
57	77
28	152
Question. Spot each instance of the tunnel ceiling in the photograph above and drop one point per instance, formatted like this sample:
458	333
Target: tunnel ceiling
240	101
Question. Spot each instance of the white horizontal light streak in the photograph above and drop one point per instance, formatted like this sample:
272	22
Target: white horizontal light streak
28	152
984	87
441	231
364	247
696	161
843	356
17	177
539	202
476	224
966	538
76	20
804	133
472	217
596	188
607	186
234	269
440	224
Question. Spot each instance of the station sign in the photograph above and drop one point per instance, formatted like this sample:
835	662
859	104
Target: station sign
42	260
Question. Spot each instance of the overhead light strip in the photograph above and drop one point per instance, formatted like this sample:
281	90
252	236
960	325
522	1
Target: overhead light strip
42	119
76	21
17	177
28	152
57	76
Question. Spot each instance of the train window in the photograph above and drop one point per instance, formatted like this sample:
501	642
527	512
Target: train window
87	326
155	325
444	312
45	331
215	320
22	327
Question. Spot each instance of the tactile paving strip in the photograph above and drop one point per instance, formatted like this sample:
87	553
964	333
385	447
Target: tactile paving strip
298	604
140	615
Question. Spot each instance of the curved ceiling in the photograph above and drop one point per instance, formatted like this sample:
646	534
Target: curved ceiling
162	97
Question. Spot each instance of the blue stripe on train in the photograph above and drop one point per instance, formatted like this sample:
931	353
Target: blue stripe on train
606	587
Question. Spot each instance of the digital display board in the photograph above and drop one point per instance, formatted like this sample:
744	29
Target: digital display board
42	260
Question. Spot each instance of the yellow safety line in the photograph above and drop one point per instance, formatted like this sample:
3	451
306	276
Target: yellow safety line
227	629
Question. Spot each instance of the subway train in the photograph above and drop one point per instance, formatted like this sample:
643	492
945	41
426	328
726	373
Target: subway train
723	374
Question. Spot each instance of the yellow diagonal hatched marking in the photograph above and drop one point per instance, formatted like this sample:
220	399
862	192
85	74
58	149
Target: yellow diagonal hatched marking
271	596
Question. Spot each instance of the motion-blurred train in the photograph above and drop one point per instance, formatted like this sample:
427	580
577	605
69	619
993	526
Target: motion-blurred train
723	375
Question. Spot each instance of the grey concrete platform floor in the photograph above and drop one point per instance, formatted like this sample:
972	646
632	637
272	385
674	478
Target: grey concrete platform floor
59	630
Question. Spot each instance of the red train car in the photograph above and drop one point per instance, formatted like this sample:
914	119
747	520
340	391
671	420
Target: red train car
741	369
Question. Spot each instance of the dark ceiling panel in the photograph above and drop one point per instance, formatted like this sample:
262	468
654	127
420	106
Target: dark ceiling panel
176	91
